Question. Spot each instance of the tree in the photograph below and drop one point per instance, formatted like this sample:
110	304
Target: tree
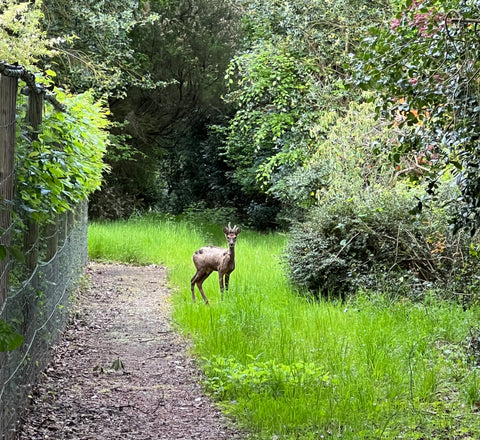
424	67
21	37
161	64
93	44
288	75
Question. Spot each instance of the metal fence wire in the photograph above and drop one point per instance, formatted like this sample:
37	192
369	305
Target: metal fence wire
37	305
35	290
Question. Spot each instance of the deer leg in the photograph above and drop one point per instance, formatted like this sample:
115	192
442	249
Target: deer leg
227	280
192	284
220	281
198	279
199	282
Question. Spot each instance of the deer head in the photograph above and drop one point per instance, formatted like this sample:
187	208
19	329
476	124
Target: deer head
231	234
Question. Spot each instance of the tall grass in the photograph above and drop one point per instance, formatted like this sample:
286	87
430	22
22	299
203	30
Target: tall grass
288	368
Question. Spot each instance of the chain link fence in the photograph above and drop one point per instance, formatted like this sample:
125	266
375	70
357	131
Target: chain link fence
37	305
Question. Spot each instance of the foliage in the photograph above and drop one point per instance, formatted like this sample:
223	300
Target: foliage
93	46
358	195
21	37
351	151
360	230
229	378
110	203
425	66
268	120
94	49
186	49
289	72
63	164
199	214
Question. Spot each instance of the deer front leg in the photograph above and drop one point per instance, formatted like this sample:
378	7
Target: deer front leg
227	280
220	280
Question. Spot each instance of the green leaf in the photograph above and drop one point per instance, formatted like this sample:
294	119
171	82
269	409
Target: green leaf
117	364
456	164
9	338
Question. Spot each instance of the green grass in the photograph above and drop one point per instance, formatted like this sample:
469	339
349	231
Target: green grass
287	368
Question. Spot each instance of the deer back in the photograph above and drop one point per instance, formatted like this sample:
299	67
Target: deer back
213	258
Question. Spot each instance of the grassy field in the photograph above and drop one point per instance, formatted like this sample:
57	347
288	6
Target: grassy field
287	368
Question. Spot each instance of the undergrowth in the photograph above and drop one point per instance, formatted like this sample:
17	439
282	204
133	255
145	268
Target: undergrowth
288	368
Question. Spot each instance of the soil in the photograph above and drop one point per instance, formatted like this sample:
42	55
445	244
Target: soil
120	371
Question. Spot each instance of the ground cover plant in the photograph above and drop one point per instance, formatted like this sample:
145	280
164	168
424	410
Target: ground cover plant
373	367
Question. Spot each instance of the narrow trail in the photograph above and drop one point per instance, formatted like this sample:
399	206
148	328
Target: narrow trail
123	320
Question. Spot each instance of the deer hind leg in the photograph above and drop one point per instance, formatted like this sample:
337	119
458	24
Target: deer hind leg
194	280
198	279
192	285
200	288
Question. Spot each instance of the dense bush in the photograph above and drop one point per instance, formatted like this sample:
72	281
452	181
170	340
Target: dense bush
371	240
200	215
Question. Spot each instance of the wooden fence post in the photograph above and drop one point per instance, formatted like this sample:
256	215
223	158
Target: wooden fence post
8	102
30	239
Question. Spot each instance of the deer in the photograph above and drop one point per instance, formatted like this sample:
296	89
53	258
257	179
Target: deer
209	259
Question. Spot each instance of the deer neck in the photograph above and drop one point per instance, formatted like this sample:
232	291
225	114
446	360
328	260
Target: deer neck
231	252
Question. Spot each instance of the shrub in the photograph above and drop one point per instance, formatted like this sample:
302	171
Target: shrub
371	240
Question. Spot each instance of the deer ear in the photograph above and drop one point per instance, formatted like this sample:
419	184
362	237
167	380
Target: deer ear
238	230
225	230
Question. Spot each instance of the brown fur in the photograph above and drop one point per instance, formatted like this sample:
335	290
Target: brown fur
210	259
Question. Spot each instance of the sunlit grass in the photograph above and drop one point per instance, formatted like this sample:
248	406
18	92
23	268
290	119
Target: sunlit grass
289	368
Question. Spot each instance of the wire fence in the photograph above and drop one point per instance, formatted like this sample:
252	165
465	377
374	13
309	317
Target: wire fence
40	267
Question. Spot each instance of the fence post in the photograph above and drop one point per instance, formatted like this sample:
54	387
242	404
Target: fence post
8	100
34	118
31	234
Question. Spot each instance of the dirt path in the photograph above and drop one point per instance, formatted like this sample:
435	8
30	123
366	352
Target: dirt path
123	318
